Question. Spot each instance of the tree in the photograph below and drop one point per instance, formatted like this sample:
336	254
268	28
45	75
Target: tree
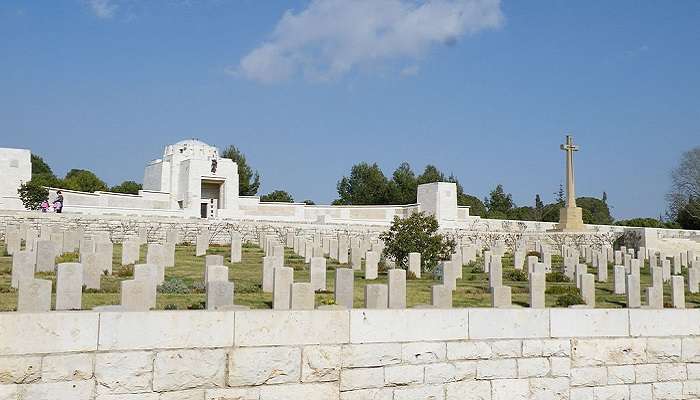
278	196
476	206
684	196
524	213
560	194
595	211
129	187
403	185
417	233
365	185
688	215
32	194
641	222
605	197
39	167
499	202
248	181
309	202
431	174
539	208
83	181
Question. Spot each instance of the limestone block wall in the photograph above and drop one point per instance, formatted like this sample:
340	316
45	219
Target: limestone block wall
359	354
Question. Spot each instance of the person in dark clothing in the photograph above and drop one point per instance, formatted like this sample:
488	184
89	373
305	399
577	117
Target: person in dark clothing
58	203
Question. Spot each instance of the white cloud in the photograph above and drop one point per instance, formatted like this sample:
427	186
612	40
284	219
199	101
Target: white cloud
104	9
330	38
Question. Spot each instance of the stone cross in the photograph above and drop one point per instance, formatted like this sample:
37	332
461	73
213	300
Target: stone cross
569	147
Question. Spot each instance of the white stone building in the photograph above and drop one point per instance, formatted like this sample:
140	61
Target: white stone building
15	169
197	180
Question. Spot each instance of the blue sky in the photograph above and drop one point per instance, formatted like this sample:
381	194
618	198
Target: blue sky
482	89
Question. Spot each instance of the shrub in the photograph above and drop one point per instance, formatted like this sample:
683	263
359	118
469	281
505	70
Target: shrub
170	306
417	233
200	287
569	299
532	253
174	286
518	275
32	194
557	277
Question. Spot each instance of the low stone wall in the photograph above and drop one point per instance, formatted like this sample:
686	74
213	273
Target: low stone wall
359	354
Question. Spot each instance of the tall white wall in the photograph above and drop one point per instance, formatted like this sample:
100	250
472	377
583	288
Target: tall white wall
15	169
359	354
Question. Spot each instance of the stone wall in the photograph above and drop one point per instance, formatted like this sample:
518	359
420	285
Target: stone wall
359	354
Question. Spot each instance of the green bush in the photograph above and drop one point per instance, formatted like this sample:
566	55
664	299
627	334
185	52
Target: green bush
517	275
417	233
170	306
32	194
569	299
174	286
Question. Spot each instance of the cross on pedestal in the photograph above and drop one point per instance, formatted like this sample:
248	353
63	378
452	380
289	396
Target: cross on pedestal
569	147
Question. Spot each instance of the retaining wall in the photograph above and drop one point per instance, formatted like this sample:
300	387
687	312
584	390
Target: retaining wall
358	354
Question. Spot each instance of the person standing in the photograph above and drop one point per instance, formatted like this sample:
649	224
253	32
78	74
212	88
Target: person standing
58	203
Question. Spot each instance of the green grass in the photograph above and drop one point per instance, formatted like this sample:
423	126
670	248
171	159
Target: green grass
472	289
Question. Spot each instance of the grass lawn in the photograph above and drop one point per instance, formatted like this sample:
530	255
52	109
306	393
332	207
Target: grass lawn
472	289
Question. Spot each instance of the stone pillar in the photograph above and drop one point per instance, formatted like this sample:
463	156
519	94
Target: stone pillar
149	274
602	270
619	276
371	265
501	297
694	279
92	274
219	294
444	269
202	243
666	269
236	247
344	287
414	264
135	295
12	240
376	296
588	289
495	272
537	290
518	260
34	295
356	258
677	291
318	273
69	286
268	271
130	252
283	277
22	267
343	249
155	256
397	288
634	297
441	296
46	254
333	249
105	254
302	296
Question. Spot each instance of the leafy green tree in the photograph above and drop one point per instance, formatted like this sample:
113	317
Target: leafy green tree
403	185
499	202
522	214
32	194
309	202
476	206
278	196
417	233
39	166
365	185
595	211
248	181
431	174
560	195
689	216
539	208
128	187
550	213
641	222
84	181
